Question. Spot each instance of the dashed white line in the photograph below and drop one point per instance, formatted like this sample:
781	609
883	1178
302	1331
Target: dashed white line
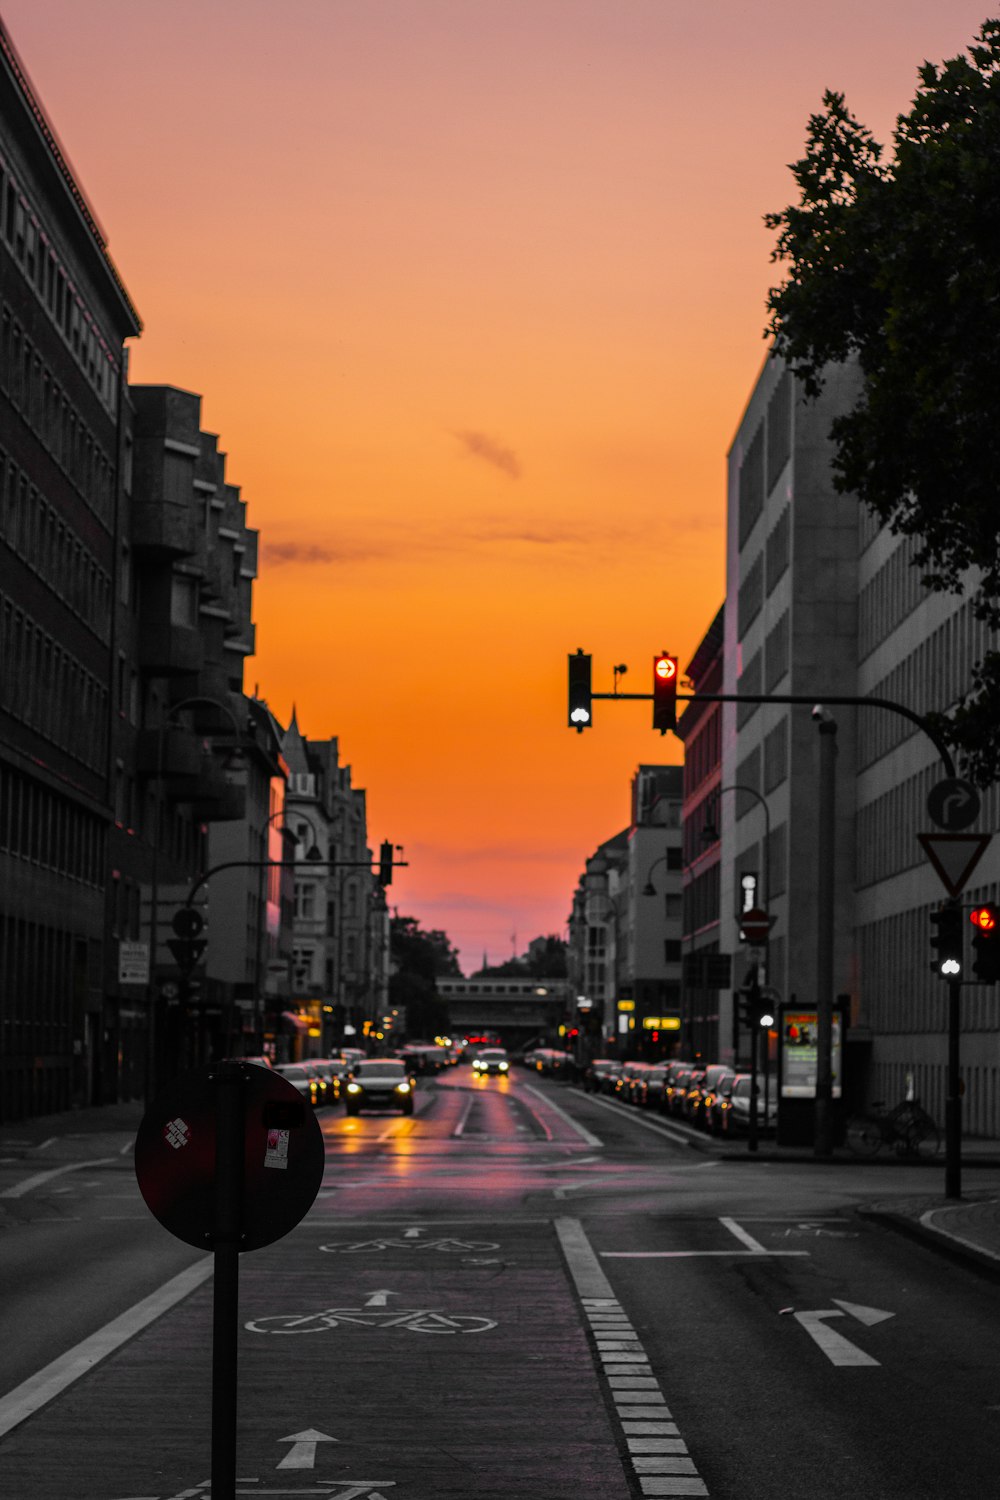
657	1452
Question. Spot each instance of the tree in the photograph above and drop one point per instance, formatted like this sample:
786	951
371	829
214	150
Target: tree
545	959
897	265
418	959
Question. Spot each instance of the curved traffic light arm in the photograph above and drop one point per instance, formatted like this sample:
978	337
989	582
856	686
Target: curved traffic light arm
285	864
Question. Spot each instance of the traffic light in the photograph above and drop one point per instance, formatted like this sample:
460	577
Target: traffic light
946	940
664	692
188	946
385	864
986	943
581	713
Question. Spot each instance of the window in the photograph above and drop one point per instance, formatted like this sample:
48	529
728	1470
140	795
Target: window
672	951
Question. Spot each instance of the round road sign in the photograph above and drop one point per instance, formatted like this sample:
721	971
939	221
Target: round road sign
953	803
283	1157
755	925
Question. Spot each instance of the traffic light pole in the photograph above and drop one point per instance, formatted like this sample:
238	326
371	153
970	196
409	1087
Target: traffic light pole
953	1103
825	898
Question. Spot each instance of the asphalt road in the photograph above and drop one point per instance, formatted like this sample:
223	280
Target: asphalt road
519	1291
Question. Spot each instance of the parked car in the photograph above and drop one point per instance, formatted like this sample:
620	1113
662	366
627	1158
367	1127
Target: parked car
699	1089
716	1102
627	1082
490	1060
305	1083
677	1087
736	1118
609	1080
597	1071
379	1083
650	1090
334	1070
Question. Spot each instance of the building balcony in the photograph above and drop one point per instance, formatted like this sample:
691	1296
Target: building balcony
172	751
167	650
227	805
162	529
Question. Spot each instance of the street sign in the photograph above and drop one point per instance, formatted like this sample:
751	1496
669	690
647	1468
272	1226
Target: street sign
953	803
954	856
755	925
283	1157
133	963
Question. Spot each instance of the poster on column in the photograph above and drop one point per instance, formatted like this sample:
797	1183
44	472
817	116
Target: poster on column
799	1031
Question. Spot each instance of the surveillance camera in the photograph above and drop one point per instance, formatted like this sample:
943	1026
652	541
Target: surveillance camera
819	712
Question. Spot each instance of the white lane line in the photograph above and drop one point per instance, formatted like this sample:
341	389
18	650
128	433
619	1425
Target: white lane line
460	1127
41	1388
658	1127
694	1254
743	1237
29	1183
581	1130
657	1452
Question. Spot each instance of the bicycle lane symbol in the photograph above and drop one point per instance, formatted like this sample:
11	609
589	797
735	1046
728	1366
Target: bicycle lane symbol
411	1319
447	1245
320	1489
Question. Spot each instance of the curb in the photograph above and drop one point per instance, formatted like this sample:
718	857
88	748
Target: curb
962	1253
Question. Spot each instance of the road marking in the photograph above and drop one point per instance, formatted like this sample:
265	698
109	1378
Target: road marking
30	1183
302	1455
658	1127
581	1130
753	1247
839	1350
460	1127
39	1389
381	1298
657	1452
743	1237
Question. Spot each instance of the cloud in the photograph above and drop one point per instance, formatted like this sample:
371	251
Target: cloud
313	554
491	452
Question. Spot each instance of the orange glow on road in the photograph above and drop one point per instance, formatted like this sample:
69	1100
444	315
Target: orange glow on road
473	291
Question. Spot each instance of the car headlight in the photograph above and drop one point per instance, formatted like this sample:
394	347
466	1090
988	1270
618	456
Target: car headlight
478	1063
402	1088
503	1067
354	1088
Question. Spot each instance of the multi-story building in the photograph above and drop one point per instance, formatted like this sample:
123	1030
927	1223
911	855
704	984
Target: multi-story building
625	925
700	729
64	318
822	601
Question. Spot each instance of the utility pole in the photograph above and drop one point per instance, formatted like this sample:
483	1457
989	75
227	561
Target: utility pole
825	896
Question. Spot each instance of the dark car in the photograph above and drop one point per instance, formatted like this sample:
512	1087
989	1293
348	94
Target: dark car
629	1080
650	1089
490	1060
716	1102
699	1090
307	1084
676	1089
379	1083
597	1071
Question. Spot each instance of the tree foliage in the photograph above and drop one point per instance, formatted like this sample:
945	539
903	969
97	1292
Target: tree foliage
418	959
896	264
545	959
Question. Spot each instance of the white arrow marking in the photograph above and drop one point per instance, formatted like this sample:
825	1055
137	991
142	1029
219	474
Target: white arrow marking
838	1350
412	1234
867	1315
380	1299
303	1453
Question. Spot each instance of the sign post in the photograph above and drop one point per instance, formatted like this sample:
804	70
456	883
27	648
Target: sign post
229	1158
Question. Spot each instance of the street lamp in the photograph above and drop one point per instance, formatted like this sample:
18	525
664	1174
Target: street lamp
168	722
710	834
314	855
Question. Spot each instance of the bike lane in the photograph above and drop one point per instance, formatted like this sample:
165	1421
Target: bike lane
412	1359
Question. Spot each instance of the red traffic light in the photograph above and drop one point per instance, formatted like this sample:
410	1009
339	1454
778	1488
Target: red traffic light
984	918
664	692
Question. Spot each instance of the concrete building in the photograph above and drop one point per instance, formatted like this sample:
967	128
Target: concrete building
826	603
625	925
64	319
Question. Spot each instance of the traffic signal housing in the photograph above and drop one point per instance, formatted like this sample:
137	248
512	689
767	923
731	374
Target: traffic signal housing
581	711
986	943
664	692
946	940
385	864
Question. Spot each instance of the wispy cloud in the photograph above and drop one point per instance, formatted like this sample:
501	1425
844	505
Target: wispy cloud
479	445
319	554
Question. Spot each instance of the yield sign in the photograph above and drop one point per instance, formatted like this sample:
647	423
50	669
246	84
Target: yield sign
954	856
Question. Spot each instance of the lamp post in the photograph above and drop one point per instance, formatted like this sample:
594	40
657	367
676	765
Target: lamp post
168	722
313	854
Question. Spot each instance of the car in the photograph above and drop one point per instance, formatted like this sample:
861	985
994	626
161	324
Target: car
609	1080
353	1054
334	1070
596	1071
675	1092
627	1081
650	1087
307	1084
379	1083
716	1102
490	1060
736	1118
424	1057
699	1088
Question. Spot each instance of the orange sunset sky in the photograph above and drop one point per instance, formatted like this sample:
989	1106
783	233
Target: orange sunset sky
473	291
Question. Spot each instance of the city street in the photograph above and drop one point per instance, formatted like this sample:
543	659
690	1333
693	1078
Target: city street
521	1290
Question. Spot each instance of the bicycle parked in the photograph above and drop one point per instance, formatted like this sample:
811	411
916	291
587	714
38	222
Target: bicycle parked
906	1129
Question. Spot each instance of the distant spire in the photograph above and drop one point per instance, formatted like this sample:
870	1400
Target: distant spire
294	722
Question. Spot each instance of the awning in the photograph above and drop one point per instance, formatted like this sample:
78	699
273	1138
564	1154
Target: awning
292	1022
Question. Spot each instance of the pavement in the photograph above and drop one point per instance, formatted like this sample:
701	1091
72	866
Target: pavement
967	1229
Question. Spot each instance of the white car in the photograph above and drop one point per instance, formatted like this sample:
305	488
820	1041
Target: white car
490	1060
